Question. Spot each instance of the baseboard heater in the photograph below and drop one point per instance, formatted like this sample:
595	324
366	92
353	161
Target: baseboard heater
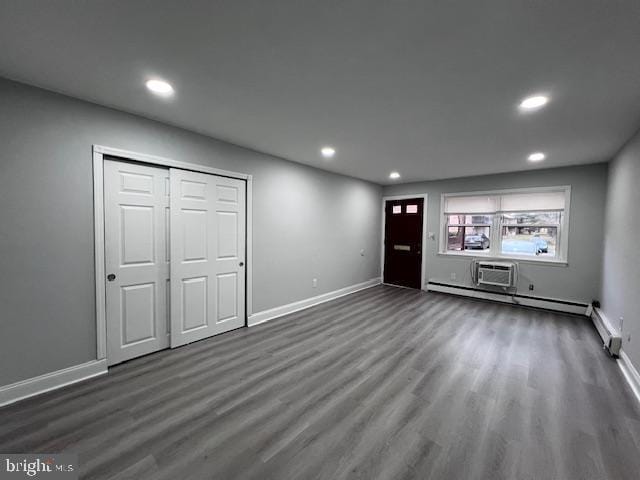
552	304
611	339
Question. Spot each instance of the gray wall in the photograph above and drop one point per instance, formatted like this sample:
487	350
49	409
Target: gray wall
306	222
580	280
621	263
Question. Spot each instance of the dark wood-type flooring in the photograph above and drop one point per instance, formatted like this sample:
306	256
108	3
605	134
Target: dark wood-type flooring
387	383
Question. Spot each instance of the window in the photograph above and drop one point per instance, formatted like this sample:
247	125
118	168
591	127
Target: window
412	208
530	233
465	232
527	224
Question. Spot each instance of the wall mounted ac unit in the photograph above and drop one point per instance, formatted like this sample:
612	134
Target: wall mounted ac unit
499	274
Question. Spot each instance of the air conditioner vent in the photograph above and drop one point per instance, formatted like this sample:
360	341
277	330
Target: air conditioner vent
499	274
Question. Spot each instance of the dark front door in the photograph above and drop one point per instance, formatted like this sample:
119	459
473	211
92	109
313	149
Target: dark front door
403	242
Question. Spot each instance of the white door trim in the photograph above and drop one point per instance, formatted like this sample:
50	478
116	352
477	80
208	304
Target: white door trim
99	152
166	162
423	269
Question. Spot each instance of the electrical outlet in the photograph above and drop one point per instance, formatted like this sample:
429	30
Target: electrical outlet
531	286
314	282
453	276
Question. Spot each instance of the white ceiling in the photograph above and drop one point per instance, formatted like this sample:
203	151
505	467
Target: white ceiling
428	88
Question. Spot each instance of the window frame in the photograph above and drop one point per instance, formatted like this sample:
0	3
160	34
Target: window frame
497	224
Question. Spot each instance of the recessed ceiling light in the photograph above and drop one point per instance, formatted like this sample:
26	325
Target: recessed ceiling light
160	87
328	152
534	102
394	175
537	157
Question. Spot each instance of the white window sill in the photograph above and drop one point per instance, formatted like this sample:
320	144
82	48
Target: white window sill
515	258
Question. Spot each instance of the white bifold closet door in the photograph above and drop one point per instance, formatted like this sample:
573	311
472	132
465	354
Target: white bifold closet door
136	207
207	255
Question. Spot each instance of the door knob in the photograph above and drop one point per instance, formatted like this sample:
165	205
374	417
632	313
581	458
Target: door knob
241	264
111	277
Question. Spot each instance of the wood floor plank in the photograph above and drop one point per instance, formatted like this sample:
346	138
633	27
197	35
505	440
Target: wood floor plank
386	383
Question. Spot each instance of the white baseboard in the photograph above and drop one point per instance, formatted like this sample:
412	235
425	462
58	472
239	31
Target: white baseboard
51	381
265	315
545	303
630	373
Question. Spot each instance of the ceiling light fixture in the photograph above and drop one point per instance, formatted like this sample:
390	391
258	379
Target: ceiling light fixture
537	157
328	152
160	87
394	175
534	102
